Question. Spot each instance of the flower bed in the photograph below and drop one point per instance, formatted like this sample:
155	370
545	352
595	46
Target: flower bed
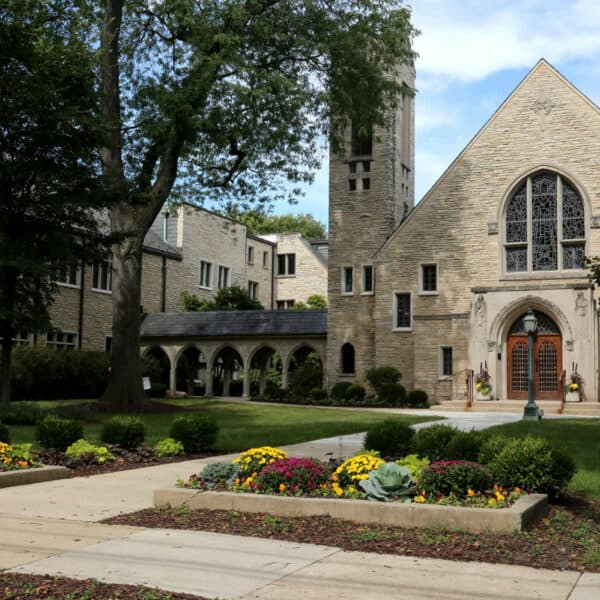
16	457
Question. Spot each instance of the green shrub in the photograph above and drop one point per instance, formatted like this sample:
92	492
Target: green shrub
305	377
157	390
82	448
23	413
433	441
378	376
390	438
454	477
54	432
466	445
418	399
197	432
414	464
4	435
338	391
317	395
393	394
492	448
534	465
168	447
356	393
126	432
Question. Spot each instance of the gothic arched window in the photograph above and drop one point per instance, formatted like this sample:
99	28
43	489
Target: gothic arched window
545	226
347	358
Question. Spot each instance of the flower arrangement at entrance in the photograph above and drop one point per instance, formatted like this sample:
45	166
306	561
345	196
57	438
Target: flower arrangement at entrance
483	383
574	385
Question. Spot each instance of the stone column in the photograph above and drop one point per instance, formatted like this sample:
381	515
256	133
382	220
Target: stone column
173	379
226	378
246	382
208	388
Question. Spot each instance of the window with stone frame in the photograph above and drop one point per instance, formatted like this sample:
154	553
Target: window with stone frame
253	289
61	340
429	283
402	311
348	359
347	280
286	264
446	366
368	280
205	275
544	226
69	276
102	276
223	277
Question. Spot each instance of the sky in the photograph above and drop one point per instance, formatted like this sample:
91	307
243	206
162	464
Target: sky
472	54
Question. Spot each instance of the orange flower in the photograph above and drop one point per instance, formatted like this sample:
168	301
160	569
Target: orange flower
470	493
281	487
517	490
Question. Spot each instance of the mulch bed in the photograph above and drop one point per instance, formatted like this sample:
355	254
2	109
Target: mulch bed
569	538
21	587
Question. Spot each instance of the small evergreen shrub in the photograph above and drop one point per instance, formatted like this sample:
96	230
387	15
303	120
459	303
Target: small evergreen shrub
378	376
305	377
57	433
318	395
356	393
126	432
82	450
4	435
168	447
534	465
492	447
454	477
390	438
197	432
466	445
23	413
293	476
393	394
339	390
418	399
433	441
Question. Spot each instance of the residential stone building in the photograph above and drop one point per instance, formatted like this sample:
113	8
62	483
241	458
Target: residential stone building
443	289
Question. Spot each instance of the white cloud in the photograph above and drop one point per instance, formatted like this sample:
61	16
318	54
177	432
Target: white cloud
433	114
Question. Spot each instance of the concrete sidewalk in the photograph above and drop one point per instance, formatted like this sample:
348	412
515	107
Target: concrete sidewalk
52	528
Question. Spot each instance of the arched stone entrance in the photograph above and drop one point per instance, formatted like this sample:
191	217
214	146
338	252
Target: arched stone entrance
547	355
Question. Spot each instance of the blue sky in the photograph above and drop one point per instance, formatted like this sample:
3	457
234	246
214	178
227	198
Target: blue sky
472	54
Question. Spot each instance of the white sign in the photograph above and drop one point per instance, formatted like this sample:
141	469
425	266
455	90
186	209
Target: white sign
146	383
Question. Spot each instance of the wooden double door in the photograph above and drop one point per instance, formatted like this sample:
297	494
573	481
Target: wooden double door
547	366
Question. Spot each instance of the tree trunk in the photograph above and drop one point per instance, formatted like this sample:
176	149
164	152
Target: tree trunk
5	375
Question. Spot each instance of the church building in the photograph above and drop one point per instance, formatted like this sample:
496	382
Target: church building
441	288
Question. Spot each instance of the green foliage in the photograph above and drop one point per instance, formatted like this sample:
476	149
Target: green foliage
307	376
197	432
534	465
388	483
126	432
82	448
466	445
492	448
316	301
356	393
168	447
218	474
393	394
339	390
454	477
378	376
44	373
317	394
414	464
391	438
57	433
433	441
23	413
418	399
4	434
231	298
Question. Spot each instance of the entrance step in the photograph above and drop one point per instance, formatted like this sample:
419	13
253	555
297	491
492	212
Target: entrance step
550	407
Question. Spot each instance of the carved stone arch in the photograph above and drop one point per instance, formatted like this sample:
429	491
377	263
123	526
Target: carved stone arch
210	359
304	344
505	318
182	349
260	346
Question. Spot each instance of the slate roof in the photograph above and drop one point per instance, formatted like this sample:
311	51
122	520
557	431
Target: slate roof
155	244
235	323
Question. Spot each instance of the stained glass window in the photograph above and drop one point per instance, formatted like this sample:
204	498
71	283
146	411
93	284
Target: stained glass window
516	216
543	207
572	214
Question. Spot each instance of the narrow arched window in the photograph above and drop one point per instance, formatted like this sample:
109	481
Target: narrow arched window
347	358
544	226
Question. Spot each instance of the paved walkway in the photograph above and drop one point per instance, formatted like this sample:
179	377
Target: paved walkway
52	528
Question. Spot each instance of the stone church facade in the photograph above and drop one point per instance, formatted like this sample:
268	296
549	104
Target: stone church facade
442	288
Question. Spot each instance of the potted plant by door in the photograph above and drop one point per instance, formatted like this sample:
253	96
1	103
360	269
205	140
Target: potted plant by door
483	385
574	386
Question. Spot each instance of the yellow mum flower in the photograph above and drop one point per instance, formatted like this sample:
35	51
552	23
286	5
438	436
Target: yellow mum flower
420	499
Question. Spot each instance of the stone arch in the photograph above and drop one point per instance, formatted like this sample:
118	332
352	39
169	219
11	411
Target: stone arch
233	354
310	348
187	362
260	358
164	362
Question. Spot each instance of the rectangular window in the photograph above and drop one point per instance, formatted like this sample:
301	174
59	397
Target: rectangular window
108	344
286	264
68	276
102	276
347	280
429	279
223	279
250	255
61	340
205	274
446	362
253	289
21	339
402	316
265	259
367	280
285	304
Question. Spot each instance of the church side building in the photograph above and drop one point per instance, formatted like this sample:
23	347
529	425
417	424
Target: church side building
504	229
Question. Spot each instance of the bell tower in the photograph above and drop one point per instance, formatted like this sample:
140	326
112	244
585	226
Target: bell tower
371	190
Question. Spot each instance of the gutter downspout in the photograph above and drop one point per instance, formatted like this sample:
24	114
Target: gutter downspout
81	306
163	292
272	277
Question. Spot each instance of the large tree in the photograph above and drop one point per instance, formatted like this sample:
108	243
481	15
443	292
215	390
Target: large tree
227	97
49	165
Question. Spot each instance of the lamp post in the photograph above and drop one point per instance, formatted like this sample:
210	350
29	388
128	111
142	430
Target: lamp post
530	323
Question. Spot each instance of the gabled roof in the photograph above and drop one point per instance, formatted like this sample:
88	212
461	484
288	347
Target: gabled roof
541	63
156	245
235	323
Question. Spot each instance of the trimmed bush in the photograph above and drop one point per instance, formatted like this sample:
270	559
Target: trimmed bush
23	413
339	390
82	450
393	394
57	433
197	432
492	447
433	441
534	465
466	445
317	395
356	393
168	447
391	439
454	477
4	435
418	399
305	377
378	376
126	432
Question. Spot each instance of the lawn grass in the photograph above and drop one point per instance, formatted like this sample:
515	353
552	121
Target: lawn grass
242	426
580	437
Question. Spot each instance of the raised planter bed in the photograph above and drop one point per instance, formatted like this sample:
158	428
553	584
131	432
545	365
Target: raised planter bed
32	475
524	513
